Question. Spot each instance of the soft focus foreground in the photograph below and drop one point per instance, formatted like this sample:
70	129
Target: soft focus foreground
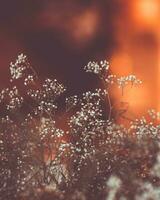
91	157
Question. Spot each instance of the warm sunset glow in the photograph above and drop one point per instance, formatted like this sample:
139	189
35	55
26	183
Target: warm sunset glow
138	53
146	12
136	97
121	64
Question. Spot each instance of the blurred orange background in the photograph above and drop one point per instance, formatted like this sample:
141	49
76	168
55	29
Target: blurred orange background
60	37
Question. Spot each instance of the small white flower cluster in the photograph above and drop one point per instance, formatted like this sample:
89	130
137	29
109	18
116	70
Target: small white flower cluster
4	94
48	130
12	98
86	115
29	80
115	133
96	97
89	113
6	120
71	102
125	80
141	128
15	103
47	94
48	106
58	133
102	70
154	114
17	69
96	68
111	79
52	87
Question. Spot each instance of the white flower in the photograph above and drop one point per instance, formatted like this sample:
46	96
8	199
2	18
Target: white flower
17	69
96	68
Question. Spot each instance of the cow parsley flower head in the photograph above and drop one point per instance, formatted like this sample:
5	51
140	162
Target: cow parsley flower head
52	86
71	102
49	91
96	68
17	69
29	80
124	80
